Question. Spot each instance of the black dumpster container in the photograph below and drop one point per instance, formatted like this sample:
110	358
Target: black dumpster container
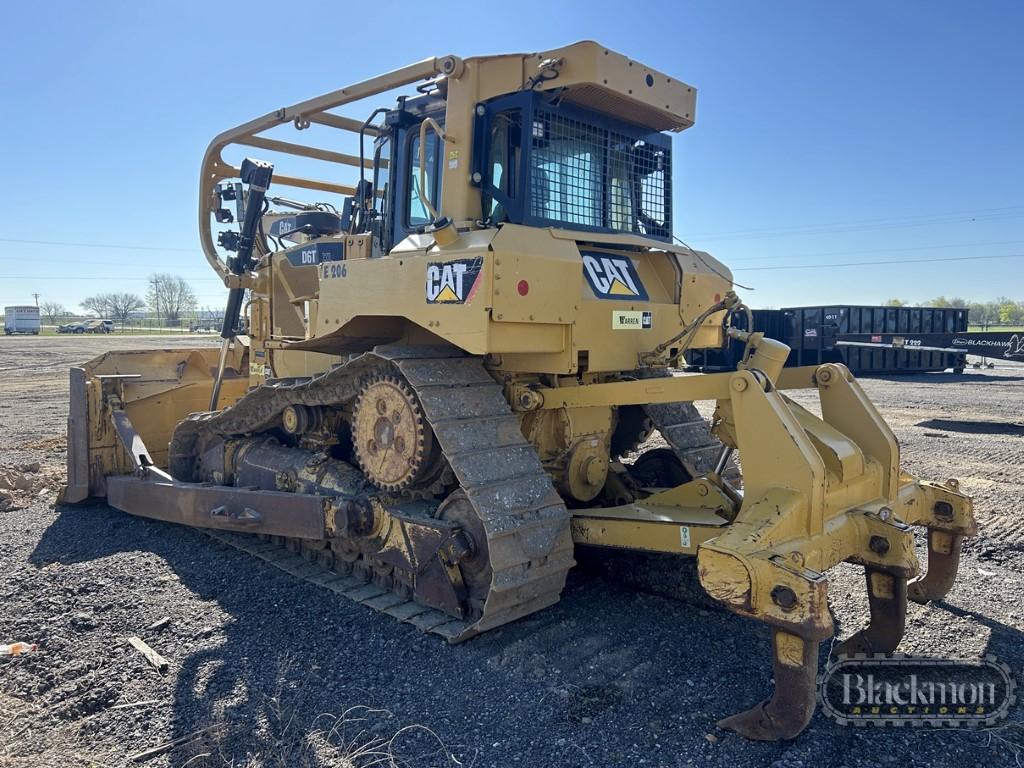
812	332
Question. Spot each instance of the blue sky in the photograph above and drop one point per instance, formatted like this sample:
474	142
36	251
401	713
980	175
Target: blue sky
826	133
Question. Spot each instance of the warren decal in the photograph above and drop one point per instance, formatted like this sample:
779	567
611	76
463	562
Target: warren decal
453	282
631	321
613	277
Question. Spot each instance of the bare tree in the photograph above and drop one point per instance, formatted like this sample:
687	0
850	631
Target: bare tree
116	305
121	305
53	310
97	304
170	296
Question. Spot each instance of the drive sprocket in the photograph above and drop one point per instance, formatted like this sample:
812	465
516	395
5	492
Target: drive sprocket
391	439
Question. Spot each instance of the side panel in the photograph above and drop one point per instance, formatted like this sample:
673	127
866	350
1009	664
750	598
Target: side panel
448	294
532	296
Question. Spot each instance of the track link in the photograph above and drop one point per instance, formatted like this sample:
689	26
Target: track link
524	518
352	587
689	435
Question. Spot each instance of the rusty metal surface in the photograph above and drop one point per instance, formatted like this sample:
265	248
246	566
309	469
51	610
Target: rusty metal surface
355	588
393	444
221	507
887	600
790	708
943	564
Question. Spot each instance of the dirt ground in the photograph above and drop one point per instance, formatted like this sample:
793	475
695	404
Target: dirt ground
265	670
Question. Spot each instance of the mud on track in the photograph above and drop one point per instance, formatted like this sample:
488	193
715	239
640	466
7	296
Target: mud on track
606	677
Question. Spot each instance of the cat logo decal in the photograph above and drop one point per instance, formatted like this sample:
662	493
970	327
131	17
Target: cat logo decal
453	282
613	277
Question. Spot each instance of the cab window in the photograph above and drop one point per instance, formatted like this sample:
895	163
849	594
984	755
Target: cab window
382	192
502	163
417	214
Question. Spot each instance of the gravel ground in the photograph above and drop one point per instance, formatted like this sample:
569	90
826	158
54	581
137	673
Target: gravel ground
280	672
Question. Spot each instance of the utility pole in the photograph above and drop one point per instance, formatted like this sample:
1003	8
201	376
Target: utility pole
36	297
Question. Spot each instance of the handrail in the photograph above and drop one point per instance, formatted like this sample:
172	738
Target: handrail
301	150
215	168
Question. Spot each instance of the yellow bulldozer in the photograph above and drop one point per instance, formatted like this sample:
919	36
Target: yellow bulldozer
454	354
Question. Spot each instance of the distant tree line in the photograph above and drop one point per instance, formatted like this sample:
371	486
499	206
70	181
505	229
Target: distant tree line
1001	311
169	299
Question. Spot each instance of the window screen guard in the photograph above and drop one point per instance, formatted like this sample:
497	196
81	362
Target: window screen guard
579	169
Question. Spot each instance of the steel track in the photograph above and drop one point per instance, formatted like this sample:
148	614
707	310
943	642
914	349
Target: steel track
525	521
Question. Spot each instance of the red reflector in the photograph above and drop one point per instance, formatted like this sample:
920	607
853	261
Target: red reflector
523	287
718	297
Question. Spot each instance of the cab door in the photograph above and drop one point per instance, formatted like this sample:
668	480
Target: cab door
408	214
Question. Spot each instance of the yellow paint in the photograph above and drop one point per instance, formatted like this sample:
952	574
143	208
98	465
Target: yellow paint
447	294
789	649
618	288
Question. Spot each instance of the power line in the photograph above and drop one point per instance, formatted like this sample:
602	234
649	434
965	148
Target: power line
984	214
873	263
881	250
118	246
117	278
85	261
991	214
882	220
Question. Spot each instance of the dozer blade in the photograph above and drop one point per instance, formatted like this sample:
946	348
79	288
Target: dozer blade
154	390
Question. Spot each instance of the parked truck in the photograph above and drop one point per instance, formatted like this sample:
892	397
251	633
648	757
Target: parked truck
21	320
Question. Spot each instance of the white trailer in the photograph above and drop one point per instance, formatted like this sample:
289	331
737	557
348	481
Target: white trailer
21	320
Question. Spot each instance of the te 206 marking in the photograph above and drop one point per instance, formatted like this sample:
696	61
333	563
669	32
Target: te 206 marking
333	269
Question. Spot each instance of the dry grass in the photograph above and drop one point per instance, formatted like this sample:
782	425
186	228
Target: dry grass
284	739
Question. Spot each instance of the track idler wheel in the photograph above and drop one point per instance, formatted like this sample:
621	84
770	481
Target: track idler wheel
659	468
474	560
789	709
